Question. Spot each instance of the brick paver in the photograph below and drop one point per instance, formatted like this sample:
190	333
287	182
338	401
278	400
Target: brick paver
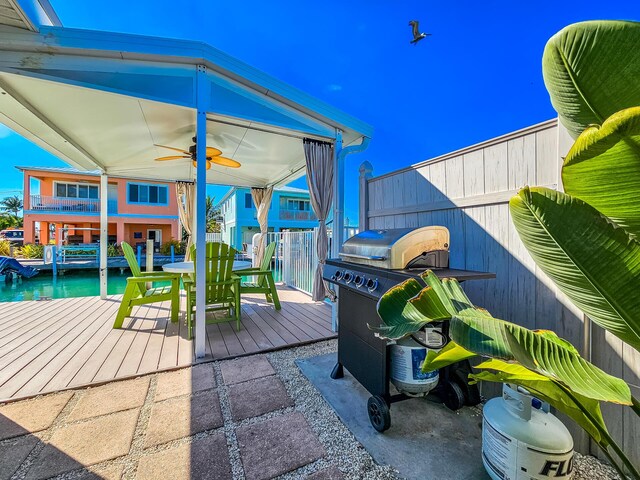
31	415
113	472
110	398
84	444
13	453
184	416
245	368
203	459
276	446
185	382
257	397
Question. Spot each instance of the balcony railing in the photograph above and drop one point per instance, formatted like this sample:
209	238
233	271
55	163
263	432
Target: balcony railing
59	204
300	215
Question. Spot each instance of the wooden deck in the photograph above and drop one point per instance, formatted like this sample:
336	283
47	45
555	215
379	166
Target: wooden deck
52	345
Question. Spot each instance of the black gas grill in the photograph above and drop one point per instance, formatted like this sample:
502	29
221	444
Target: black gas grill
371	263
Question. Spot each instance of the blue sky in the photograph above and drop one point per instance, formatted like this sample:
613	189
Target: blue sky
477	77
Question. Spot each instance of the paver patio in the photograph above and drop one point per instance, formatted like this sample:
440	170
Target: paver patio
172	425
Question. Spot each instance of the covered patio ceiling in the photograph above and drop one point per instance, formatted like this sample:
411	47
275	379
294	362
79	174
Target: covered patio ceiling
102	100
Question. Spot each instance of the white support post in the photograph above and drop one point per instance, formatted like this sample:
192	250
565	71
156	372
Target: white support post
149	260
202	104
338	216
338	197
104	234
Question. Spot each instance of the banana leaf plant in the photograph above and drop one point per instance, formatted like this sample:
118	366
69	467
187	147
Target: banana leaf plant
591	71
538	360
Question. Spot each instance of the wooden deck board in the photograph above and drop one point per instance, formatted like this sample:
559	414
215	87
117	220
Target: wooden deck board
51	345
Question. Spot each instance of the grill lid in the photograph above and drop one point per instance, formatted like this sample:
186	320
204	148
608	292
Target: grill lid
399	248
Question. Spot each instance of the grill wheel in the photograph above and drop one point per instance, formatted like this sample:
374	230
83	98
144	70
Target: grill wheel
379	414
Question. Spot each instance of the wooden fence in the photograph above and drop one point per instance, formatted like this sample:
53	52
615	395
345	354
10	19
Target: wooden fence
468	192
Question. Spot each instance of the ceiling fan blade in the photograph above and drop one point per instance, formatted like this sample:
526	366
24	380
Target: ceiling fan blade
213	152
171	157
173	148
208	165
225	162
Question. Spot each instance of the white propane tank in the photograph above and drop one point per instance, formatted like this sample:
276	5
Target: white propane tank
524	442
407	357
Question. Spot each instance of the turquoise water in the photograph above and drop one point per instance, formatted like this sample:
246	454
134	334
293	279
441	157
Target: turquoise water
80	283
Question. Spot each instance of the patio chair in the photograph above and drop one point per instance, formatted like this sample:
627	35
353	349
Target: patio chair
222	290
136	292
264	283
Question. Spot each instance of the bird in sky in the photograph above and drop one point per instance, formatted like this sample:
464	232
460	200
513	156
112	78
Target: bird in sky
417	35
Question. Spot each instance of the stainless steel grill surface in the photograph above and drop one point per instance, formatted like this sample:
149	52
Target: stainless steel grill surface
399	248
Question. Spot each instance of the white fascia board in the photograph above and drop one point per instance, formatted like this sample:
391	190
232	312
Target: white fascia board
136	47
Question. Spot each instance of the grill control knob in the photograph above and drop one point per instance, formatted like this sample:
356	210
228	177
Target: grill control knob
338	275
359	281
372	284
348	276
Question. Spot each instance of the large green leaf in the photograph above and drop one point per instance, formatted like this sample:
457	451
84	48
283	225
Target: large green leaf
399	316
573	406
450	354
408	307
540	351
591	71
603	168
594	262
549	357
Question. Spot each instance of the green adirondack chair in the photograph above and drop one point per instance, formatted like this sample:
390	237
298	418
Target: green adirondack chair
222	290
136	292
263	275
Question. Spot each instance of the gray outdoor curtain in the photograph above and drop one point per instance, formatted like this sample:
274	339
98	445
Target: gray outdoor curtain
319	157
185	193
262	200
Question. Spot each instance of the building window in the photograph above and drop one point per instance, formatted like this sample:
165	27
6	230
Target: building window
248	201
76	190
147	194
298	205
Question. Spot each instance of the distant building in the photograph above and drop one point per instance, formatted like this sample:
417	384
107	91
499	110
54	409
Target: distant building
290	210
137	209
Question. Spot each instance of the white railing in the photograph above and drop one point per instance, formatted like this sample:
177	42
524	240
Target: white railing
300	215
295	258
62	204
214	237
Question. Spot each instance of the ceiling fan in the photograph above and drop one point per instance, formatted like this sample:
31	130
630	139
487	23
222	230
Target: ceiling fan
213	156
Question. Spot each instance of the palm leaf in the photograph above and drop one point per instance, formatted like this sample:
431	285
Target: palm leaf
573	406
603	168
594	262
591	71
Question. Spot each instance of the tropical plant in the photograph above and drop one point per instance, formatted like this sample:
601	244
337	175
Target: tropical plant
178	247
9	220
114	250
12	204
5	248
212	212
585	240
30	250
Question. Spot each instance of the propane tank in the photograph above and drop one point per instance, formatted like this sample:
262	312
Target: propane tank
407	357
521	440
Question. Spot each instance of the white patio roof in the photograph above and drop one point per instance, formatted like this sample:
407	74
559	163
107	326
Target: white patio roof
102	100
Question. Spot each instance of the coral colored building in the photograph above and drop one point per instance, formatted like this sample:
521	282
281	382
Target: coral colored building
66	198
